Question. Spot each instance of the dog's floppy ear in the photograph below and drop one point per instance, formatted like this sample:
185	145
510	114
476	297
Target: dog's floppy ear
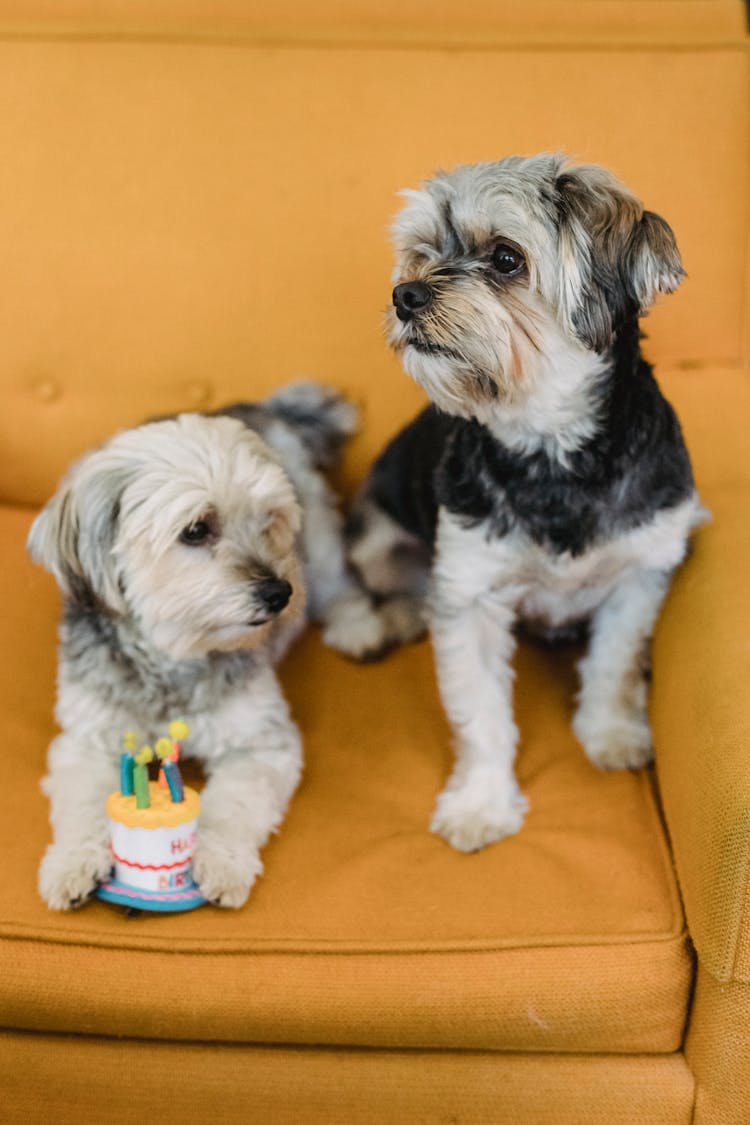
653	261
74	534
615	256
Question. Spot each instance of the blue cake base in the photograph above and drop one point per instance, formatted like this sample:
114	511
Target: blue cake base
164	902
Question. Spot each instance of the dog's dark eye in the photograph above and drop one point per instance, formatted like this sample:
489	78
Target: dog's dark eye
195	534
507	260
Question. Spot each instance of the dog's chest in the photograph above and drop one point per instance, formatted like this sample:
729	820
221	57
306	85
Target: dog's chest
555	588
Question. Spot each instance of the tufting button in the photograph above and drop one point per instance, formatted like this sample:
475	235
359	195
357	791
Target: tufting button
198	393
690	364
46	389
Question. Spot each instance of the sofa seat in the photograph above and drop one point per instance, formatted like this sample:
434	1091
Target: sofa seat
567	938
532	945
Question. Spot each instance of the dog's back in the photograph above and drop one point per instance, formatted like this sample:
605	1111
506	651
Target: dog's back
320	417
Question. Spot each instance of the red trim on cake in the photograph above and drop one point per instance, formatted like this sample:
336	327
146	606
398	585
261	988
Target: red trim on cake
151	866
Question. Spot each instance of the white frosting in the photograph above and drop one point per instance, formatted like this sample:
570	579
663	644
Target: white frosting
154	859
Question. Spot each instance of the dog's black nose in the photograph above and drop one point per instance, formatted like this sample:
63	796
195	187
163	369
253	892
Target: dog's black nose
411	297
274	593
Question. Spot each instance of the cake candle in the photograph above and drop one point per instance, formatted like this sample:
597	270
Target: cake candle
178	732
140	777
164	749
174	781
127	763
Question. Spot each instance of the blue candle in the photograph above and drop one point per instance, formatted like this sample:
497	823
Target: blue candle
127	765
174	781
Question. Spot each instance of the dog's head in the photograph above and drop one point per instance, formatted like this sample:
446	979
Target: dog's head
501	265
186	528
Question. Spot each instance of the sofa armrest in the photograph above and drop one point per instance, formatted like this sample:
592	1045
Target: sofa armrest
701	722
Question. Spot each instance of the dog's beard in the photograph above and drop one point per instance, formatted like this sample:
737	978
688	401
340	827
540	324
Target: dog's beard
471	352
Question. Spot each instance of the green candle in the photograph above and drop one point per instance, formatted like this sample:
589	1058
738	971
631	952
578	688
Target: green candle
140	777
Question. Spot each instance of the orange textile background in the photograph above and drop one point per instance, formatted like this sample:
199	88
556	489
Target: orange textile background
288	1086
195	200
186	222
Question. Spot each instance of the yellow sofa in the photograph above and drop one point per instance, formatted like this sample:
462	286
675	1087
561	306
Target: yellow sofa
194	201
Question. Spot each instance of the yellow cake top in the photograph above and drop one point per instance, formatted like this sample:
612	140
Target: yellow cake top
163	812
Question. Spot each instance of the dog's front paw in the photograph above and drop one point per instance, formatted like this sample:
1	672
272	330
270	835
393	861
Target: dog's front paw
67	877
615	742
478	811
224	873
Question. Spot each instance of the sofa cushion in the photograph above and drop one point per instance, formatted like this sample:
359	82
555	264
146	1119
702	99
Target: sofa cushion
62	1079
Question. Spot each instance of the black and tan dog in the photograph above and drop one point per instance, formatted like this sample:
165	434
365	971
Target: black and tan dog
548	484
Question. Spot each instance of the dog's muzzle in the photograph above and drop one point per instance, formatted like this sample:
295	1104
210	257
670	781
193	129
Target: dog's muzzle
411	297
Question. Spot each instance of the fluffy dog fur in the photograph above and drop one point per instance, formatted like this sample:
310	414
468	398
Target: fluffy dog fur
183	549
549	484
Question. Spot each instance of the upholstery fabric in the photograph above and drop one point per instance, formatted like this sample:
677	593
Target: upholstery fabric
187	256
129	1082
194	208
704	774
365	928
718	1051
375	22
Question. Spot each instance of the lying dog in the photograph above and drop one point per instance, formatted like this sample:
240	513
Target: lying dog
549	483
183	549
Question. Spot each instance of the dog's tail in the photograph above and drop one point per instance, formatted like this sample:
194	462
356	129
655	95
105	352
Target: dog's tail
322	418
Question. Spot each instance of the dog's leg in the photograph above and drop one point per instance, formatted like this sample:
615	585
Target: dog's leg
472	632
253	765
393	566
612	721
335	599
81	777
473	648
351	624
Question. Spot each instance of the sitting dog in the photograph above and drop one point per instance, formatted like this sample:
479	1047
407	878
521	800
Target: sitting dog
548	484
183	548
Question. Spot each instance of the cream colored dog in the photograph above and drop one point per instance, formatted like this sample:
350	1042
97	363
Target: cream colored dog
184	549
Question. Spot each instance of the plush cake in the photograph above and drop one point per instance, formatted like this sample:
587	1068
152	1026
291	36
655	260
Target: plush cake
153	831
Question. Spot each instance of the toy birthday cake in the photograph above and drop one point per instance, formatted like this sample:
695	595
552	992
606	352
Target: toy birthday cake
153	830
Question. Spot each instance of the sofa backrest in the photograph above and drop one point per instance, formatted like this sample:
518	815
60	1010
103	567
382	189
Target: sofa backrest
195	197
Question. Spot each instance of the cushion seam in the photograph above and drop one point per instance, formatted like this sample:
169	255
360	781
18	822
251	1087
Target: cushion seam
273	948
